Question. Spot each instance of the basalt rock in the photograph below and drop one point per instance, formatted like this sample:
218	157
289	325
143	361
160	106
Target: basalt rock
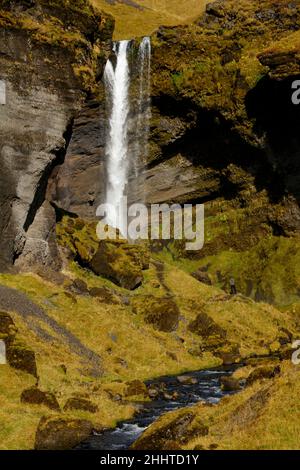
50	55
21	357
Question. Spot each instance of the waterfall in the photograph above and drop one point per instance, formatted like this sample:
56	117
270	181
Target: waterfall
129	118
143	108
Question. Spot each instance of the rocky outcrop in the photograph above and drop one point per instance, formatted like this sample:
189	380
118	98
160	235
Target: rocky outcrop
160	312
51	57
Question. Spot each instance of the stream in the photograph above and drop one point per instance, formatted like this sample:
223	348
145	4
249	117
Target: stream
206	387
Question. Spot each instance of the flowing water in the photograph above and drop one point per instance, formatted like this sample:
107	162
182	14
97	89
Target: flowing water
127	85
206	389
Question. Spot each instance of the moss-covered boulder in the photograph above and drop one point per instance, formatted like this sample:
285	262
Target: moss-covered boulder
160	312
8	329
21	357
211	333
136	387
120	262
35	396
264	372
230	384
179	430
82	404
56	433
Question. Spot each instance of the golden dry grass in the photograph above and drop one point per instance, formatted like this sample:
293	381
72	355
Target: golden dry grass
132	22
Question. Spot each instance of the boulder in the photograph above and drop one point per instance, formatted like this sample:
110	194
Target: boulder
212	334
160	312
187	380
34	396
135	387
121	263
83	404
106	295
230	384
202	276
264	372
7	327
56	433
20	357
179	430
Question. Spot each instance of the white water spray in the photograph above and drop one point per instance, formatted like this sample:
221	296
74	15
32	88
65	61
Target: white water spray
124	157
117	84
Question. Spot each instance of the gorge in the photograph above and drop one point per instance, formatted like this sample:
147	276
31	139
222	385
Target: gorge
198	112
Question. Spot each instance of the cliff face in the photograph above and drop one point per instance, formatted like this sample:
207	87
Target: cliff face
51	57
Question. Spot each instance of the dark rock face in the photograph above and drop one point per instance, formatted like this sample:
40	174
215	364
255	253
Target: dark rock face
34	396
61	434
45	87
78	185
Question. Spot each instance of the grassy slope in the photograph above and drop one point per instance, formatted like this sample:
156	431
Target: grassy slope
132	22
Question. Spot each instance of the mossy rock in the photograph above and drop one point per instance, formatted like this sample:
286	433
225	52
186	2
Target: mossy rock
57	433
178	430
160	312
21	357
106	295
212	334
136	387
8	329
119	262
265	372
83	404
34	396
230	384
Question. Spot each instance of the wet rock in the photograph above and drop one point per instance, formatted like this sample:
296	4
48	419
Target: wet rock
230	384
82	404
187	380
135	387
153	393
61	433
265	372
160	312
34	396
20	357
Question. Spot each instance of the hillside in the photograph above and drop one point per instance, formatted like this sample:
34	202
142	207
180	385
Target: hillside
142	17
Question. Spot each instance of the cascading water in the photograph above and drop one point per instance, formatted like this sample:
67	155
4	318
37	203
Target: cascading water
129	118
117	85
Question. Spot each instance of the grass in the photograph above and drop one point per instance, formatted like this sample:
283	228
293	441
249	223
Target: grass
132	22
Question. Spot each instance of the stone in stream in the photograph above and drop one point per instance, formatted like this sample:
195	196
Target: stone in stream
230	384
187	380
